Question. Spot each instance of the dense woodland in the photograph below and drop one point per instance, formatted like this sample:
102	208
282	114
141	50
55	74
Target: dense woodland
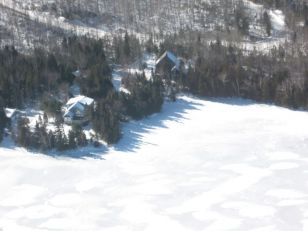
42	76
231	20
275	77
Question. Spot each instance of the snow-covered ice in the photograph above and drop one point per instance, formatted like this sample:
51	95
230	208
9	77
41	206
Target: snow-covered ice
224	164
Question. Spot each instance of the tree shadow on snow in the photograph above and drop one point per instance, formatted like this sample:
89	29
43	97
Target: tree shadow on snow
134	131
82	153
232	101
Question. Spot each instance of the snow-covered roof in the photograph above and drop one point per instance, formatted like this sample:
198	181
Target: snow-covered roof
10	112
77	73
68	113
80	99
171	56
70	110
78	102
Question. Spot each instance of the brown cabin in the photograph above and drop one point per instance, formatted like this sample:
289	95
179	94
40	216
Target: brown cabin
167	65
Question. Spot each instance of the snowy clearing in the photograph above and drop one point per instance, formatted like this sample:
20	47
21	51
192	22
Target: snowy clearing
211	165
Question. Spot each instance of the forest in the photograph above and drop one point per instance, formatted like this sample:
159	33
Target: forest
44	78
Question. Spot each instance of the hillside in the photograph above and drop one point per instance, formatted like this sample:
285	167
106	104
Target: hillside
224	164
240	21
52	51
149	115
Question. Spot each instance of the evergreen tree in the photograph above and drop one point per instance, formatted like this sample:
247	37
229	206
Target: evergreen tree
106	122
79	135
306	14
45	118
71	140
3	119
126	49
60	138
268	23
23	132
242	19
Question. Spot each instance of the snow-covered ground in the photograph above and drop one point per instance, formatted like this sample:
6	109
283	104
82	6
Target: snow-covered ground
119	72
169	21
211	165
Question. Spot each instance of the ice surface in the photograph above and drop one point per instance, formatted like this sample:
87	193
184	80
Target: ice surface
224	164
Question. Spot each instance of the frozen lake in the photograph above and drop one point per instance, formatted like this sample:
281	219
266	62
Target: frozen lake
209	165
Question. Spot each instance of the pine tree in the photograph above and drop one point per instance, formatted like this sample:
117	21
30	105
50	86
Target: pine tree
23	132
126	48
60	138
51	141
36	136
71	140
306	14
3	119
45	118
268	23
79	135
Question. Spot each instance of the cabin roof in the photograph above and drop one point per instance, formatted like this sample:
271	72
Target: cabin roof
80	99
171	56
79	102
10	112
70	110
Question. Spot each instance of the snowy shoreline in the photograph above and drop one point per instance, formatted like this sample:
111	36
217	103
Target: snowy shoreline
198	165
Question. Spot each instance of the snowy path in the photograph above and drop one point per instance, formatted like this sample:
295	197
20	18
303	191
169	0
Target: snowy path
199	165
